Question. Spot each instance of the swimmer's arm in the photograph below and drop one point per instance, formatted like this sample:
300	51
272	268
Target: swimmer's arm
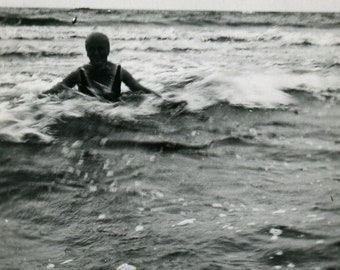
57	89
133	85
70	81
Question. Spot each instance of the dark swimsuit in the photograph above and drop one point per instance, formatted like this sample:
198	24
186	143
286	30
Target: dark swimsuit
85	84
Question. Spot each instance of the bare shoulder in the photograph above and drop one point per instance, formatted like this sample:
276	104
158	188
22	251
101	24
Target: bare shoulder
113	67
125	75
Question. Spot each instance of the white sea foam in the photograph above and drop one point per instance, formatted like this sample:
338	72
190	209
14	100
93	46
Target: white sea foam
67	261
201	66
275	232
126	266
139	228
102	217
186	222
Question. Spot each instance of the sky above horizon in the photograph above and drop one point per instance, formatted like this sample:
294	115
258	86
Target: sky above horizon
237	5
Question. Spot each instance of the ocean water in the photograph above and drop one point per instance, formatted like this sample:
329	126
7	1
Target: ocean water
237	167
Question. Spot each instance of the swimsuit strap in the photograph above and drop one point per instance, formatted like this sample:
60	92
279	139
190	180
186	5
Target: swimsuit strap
116	85
86	86
84	83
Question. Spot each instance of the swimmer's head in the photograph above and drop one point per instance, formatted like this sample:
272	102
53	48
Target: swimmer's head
98	48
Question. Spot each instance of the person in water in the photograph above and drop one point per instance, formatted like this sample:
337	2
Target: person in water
99	78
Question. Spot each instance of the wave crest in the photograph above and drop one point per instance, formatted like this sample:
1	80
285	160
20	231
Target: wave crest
24	21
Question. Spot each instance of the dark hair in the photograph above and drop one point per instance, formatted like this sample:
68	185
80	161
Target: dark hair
97	36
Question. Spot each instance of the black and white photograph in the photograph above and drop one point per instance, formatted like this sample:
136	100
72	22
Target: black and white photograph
170	134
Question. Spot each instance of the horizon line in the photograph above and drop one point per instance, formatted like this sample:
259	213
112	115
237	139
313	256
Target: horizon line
171	9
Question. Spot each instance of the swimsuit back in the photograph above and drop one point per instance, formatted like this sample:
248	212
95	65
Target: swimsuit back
90	88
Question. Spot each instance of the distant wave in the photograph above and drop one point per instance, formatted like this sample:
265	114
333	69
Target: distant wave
304	43
17	20
77	36
81	9
34	38
225	39
239	39
221	22
143	38
7	84
256	20
176	49
334	65
232	19
38	54
202	22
